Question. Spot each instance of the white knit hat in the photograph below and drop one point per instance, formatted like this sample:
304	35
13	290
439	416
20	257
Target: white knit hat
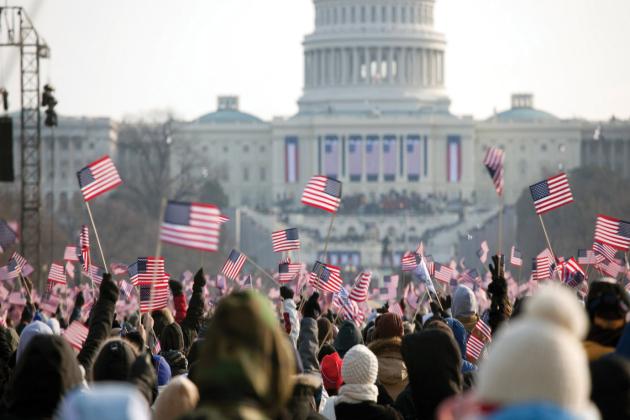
558	304
360	366
532	359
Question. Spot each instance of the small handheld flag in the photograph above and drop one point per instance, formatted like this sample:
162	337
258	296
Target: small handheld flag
612	231
285	240
551	193
359	292
326	277
322	192
234	264
494	164
98	177
191	225
516	259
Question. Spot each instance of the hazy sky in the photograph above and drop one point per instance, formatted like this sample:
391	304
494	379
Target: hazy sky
128	57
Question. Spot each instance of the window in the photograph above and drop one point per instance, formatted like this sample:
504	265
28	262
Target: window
543	147
91	146
343	15
204	149
562	148
263	173
383	14
403	14
78	144
412	14
373	14
362	14
335	16
245	174
63	143
262	148
394	15
352	14
225	149
245	148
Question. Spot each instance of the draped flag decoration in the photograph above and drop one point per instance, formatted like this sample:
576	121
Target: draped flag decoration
551	193
98	177
146	269
613	232
516	259
494	164
285	240
192	225
322	192
359	292
326	277
8	236
234	264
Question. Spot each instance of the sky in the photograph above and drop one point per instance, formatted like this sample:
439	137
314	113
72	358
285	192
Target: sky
130	58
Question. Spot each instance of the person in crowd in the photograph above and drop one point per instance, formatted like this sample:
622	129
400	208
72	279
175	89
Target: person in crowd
246	363
290	314
107	401
464	307
610	377
386	345
607	305
178	398
347	337
357	397
330	367
172	346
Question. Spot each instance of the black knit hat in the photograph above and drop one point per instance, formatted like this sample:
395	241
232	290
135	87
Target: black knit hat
607	300
113	361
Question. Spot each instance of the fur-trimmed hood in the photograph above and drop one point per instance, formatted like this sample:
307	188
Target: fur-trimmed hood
391	367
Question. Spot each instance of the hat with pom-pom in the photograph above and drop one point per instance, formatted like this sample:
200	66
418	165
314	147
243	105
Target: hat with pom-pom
360	366
557	304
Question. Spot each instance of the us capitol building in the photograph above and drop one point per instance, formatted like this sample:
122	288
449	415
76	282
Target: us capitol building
374	113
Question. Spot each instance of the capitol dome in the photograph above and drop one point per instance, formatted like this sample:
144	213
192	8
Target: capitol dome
523	110
367	55
228	113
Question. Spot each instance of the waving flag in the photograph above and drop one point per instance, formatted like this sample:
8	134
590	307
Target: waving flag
234	264
84	245
154	296
96	274
544	265
613	232
322	192
223	218
126	288
603	251
326	277
146	269
586	257
71	253
443	273
470	276
50	305
287	271
359	292
551	193
474	348
9	271
482	253
391	281
409	261
494	164
191	225
76	334
516	259
98	177
611	268
57	274
422	272
285	240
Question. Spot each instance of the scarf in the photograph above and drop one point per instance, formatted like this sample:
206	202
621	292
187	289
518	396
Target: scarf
351	394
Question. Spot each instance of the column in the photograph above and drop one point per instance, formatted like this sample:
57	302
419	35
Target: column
321	77
400	66
379	59
331	67
414	64
344	67
356	68
307	69
364	63
425	67
390	66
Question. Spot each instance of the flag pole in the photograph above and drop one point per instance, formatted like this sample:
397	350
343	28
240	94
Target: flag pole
23	283
158	243
98	240
500	244
260	269
330	226
542	223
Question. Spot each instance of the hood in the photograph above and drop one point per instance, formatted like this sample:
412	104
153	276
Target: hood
106	401
459	332
347	337
49	357
113	361
30	331
245	357
172	338
610	376
433	363
464	302
391	367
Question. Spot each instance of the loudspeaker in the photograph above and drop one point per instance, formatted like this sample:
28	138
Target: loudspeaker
6	150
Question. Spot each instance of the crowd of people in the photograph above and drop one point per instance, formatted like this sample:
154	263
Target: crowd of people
555	354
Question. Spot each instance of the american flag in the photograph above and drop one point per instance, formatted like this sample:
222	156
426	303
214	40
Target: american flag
146	269
326	277
516	259
7	235
572	273
98	177
494	164
422	272
551	193
391	281
15	298
57	274
349	309
154	296
84	245
605	251
586	257
285	240
96	274
428	259
443	273
192	225
19	263
613	232
322	192
482	253
223	218
383	294
76	334
9	271
544	265
474	348
71	253
287	271
484	330
611	269
470	276
409	261
572	266
49	305
234	264
126	288
118	268
396	309
359	292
